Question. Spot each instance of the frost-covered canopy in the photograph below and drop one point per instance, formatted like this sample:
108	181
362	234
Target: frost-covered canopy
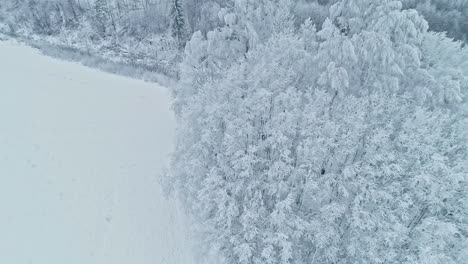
338	145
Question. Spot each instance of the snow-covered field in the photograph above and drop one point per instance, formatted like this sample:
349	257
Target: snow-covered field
80	156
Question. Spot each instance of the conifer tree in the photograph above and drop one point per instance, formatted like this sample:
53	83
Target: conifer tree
178	24
101	17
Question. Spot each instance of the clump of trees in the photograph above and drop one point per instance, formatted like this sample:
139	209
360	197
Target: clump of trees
110	23
143	33
333	143
444	15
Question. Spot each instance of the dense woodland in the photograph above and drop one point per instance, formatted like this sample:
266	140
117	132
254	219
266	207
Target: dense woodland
342	141
309	131
152	33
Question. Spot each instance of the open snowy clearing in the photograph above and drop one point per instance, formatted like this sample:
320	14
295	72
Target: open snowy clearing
80	156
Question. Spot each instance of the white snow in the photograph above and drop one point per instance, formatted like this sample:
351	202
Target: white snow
80	156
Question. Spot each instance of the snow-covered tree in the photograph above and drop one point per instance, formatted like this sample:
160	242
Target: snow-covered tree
178	24
101	17
341	145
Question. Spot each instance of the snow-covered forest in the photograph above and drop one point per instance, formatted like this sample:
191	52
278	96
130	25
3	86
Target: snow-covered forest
308	131
151	34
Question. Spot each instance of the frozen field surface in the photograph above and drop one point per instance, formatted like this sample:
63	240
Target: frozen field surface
80	156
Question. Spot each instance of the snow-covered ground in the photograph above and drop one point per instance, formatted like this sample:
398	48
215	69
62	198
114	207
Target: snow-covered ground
80	156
